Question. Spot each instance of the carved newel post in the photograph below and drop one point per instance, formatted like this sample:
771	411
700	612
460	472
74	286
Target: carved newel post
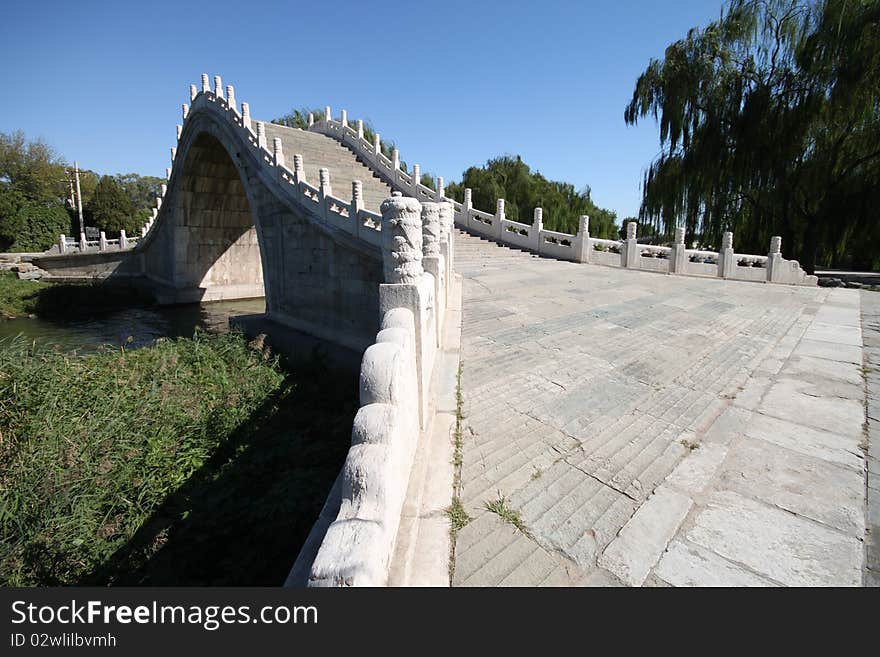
725	256
432	260
537	227
498	231
401	240
230	97
299	171
357	205
583	239
447	242
629	254
774	260
206	86
246	115
677	255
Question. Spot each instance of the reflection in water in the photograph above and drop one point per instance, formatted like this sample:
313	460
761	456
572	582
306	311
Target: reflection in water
142	325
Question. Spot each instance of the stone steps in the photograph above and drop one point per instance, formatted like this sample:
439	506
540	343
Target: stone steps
318	152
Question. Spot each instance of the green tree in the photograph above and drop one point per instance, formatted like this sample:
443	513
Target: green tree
32	168
523	190
142	190
110	208
769	124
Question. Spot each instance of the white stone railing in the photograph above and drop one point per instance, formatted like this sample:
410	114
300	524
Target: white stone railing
581	247
394	388
349	215
69	245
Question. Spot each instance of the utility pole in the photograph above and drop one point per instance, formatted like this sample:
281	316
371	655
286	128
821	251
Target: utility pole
79	201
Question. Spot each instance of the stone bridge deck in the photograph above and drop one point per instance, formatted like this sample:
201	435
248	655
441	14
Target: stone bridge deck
629	428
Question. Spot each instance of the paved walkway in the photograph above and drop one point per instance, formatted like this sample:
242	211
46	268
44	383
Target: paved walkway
639	429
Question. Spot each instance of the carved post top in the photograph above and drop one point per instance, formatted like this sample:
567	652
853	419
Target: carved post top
324	180
357	191
230	96
206	87
401	239
327	113
278	151
431	228
775	244
538	218
468	196
631	227
447	219
499	207
184	110
193	92
583	225
218	86
679	235
727	240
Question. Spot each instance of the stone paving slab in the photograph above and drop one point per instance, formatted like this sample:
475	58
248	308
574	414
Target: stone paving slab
653	430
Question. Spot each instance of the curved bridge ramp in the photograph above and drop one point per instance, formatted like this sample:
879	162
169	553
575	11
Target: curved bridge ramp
624	428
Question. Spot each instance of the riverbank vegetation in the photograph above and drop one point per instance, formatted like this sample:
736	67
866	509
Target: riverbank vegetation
37	203
193	461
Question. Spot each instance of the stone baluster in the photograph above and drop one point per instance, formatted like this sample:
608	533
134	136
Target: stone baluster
218	86
416	175
184	111
102	241
582	241
432	261
193	92
537	227
206	87
401	240
774	260
403	288
324	189
344	119
299	170
327	116
278	151
360	129
677	257
357	205
629	254
261	134
377	144
62	243
395	159
726	263
123	240
230	97
246	115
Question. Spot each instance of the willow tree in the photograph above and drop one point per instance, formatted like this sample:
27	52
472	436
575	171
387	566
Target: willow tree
769	124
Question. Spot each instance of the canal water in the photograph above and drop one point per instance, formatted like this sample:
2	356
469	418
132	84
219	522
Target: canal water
133	327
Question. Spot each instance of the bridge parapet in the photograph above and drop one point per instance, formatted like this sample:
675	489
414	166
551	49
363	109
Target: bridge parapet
563	246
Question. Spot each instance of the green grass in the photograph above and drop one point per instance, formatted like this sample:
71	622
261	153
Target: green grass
193	461
18	298
501	507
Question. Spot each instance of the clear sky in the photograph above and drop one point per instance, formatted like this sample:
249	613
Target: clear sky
453	83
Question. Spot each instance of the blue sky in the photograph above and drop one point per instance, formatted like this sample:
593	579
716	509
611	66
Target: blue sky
453	83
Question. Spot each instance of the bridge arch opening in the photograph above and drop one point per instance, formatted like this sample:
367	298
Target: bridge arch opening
216	246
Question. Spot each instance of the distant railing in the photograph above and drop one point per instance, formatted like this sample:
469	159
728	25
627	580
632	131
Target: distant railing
771	268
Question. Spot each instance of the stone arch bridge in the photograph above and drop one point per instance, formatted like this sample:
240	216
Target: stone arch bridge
628	414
